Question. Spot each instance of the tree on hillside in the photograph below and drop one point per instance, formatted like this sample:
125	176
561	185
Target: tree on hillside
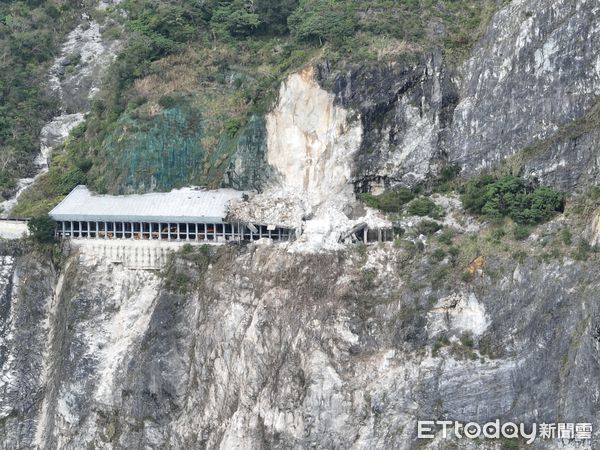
274	15
234	18
41	229
323	20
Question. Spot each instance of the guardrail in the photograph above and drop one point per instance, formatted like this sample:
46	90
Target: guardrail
14	219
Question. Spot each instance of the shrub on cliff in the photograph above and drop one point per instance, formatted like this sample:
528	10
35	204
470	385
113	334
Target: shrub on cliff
234	19
513	197
424	206
41	229
323	20
390	201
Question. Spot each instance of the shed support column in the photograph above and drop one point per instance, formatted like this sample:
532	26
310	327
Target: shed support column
114	230
63	229
150	231
168	232
97	229
365	233
214	231
279	234
187	231
224	235
260	231
379	235
196	234
205	238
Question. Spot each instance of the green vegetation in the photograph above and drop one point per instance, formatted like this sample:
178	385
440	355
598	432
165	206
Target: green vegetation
424	206
446	237
202	72
438	254
64	174
428	227
178	282
389	201
583	250
30	34
41	229
368	278
233	19
510	196
467	276
566	236
403	199
464	349
521	232
497	233
323	21
184	272
441	341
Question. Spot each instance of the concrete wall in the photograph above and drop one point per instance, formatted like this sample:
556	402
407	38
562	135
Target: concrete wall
11	229
151	255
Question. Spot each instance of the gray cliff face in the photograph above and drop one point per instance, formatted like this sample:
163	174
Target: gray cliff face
535	72
26	294
405	108
260	348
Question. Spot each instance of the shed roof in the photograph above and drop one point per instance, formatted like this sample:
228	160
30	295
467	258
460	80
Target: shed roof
183	205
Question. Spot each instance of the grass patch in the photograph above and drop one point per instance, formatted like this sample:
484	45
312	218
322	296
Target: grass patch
521	232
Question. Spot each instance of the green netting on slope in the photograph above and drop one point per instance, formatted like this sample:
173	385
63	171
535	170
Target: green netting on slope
159	152
165	151
248	168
